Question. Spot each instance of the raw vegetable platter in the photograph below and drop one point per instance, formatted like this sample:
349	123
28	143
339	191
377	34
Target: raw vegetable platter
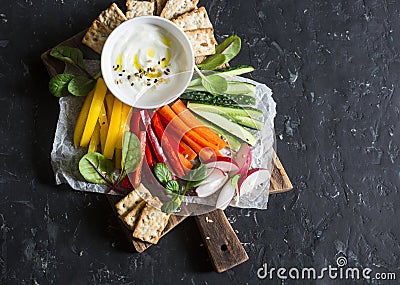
231	122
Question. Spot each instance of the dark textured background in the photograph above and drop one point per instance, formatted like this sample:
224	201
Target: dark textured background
333	67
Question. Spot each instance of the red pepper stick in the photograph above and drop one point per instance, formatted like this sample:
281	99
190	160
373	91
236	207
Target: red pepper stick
166	143
149	156
135	122
126	183
144	114
138	172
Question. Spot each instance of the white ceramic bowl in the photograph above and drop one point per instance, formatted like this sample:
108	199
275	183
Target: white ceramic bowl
177	82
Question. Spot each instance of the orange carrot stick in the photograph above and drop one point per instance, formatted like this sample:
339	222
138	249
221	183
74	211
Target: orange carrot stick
194	123
181	127
185	163
187	152
184	149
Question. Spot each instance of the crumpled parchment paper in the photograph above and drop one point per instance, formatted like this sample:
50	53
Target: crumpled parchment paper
65	158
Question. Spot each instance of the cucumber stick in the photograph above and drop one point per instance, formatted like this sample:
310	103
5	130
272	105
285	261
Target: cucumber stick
237	87
234	88
222	110
224	100
228	125
249	122
233	142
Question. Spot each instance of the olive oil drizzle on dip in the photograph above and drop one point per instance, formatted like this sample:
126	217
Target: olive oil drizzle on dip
144	58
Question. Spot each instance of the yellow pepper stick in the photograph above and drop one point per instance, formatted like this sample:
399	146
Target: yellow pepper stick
118	157
103	121
109	104
98	98
80	123
113	129
122	128
123	124
94	141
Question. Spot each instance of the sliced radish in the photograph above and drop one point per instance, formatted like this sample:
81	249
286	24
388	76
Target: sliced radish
226	164
223	207
225	196
243	158
207	189
252	179
212	174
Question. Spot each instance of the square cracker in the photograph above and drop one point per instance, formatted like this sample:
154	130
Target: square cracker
139	8
203	41
130	218
175	8
130	201
196	19
96	36
151	223
112	17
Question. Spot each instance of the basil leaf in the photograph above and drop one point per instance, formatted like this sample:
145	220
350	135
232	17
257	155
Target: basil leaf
212	62
69	55
131	152
96	168
162	173
58	85
172	186
80	86
229	47
171	206
196	176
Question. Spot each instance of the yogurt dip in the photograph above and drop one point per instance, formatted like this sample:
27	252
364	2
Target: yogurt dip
147	61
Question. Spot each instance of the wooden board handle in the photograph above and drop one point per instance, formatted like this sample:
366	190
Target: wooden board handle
223	245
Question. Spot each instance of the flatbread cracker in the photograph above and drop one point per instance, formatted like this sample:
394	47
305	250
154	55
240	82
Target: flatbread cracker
203	41
175	8
151	223
112	17
196	19
96	36
160	4
130	201
139	8
199	59
130	218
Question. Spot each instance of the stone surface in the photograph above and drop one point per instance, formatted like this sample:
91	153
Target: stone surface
333	67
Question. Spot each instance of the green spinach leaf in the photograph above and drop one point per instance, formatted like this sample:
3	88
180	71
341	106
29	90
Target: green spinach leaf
212	62
58	85
80	86
213	83
69	55
96	168
131	152
229	47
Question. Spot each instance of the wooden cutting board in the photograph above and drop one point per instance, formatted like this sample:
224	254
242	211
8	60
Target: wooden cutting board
222	243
